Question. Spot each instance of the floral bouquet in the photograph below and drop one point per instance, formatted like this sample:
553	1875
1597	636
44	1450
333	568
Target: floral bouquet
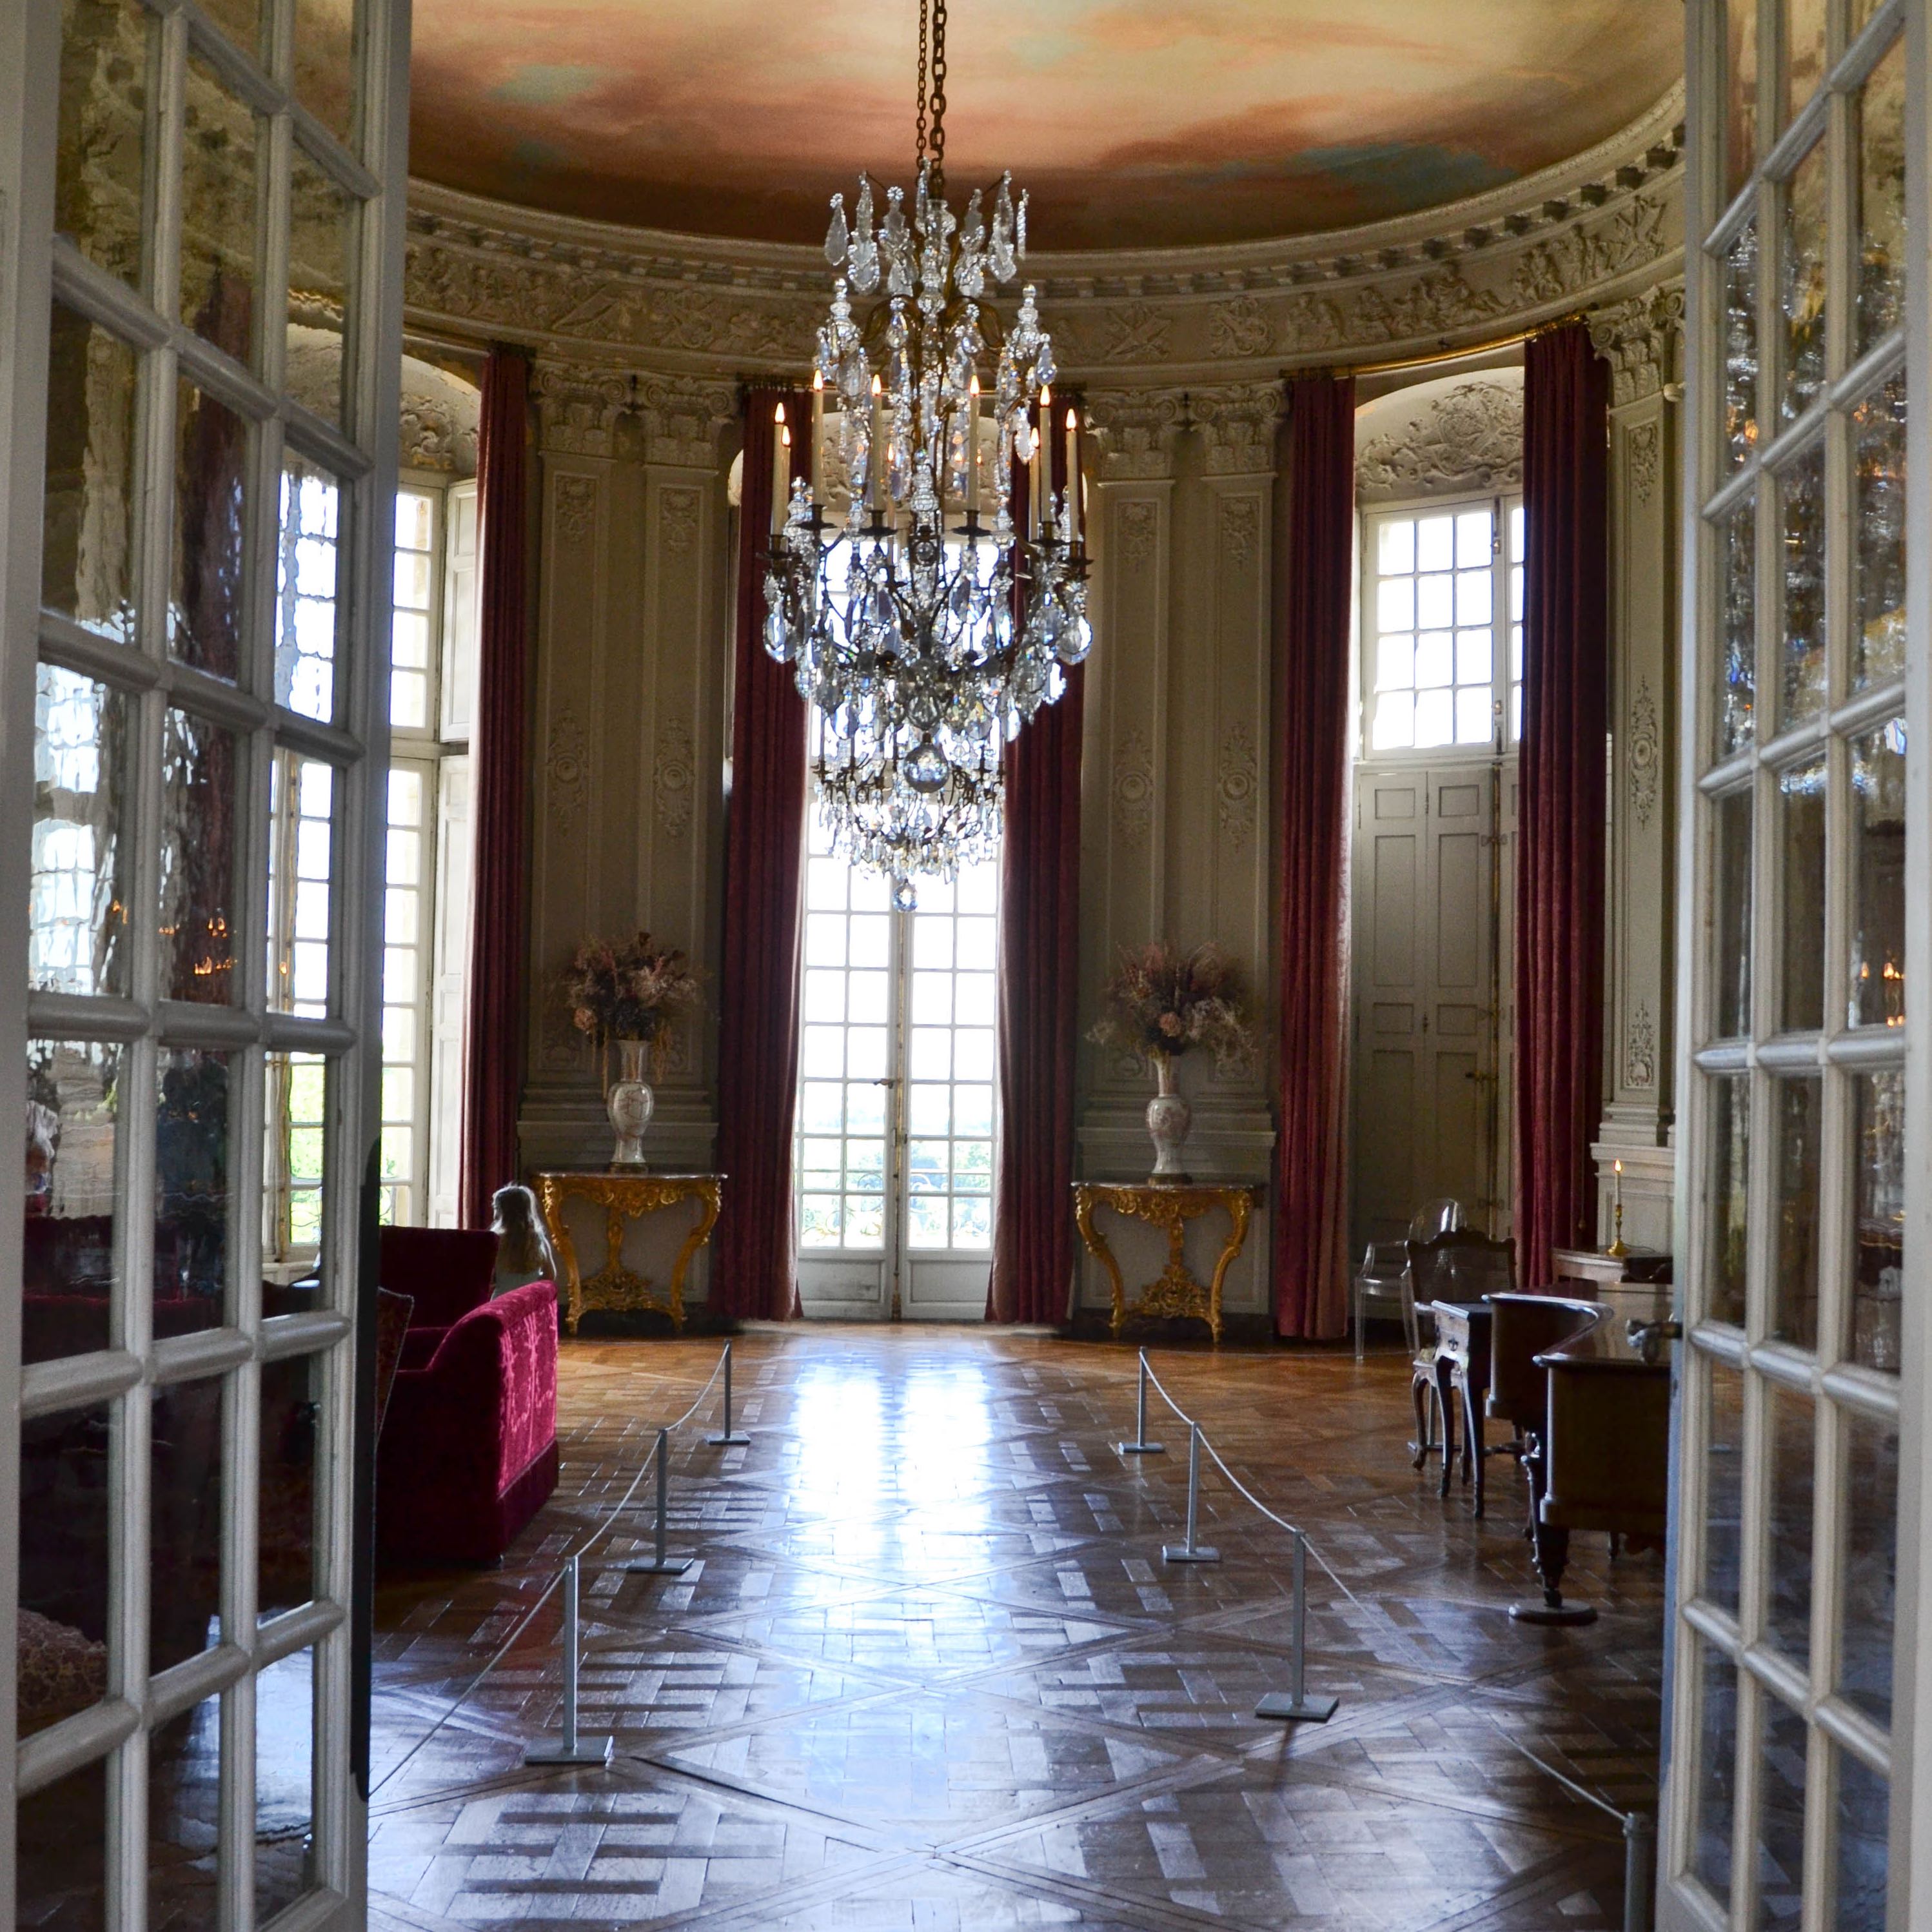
1162	1001
628	989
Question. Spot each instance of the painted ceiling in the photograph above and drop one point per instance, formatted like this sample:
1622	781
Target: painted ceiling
1135	123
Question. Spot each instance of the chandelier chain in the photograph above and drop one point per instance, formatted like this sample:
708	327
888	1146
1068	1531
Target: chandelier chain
920	127
938	141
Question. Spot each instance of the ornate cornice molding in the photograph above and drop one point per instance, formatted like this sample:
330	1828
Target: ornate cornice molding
1598	228
1642	341
1470	437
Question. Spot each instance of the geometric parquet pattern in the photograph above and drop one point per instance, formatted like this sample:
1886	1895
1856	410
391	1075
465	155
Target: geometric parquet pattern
929	1673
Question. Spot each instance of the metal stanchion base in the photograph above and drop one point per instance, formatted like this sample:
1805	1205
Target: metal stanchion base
728	1441
1309	1711
1140	1448
590	1750
1179	1553
672	1566
1553	1613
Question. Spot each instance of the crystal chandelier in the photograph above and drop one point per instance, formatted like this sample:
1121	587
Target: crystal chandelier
925	632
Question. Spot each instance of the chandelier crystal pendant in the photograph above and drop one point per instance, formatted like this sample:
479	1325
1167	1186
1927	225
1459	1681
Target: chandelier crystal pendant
926	632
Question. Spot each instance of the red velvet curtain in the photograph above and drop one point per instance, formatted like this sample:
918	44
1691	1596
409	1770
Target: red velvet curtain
493	1048
1559	924
1039	976
754	1270
1311	755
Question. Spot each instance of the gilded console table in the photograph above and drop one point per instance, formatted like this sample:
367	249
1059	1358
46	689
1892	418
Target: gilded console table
1176	1292
626	1198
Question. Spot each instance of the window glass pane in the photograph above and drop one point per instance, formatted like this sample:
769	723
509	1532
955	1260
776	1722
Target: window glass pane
284	1783
71	1251
1802	291
184	1522
293	1166
192	1209
322	244
1878	868
1740	273
325	51
199	799
1714	1796
1878	533
100	177
1741	93
1395	546
1789	1430
1798	1115
1730	938
291	1394
60	1831
183	1817
301	800
1781	1820
1394	727
67	1464
1801	799
88	519
219	201
77	909
1804	51
1871	1565
1723	1479
1878	182
1737	665
240	20
1863	1820
1726	1180
1801	497
1878	1207
305	603
206	603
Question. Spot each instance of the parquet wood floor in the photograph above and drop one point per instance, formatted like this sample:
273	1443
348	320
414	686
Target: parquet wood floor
929	1670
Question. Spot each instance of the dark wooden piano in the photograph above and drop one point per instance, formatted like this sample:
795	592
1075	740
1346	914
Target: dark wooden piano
1600	1459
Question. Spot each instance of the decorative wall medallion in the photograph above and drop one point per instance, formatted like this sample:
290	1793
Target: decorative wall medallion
1133	788
1240	529
567	770
1643	753
678	511
1640	1050
576	509
1237	785
1239	329
1644	454
675	776
1470	438
1137	524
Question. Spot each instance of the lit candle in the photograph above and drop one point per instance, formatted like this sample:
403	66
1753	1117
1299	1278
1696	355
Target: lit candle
972	446
878	477
817	429
781	469
1039	483
1072	477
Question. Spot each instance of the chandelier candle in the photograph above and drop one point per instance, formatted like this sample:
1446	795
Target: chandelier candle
925	633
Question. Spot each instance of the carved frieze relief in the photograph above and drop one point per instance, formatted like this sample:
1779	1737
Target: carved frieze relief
1643	755
1240	529
1139	523
576	503
1644	456
678	512
433	439
1640	1050
1469	438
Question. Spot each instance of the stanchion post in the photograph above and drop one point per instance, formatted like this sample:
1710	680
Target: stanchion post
662	1563
725	1438
574	1750
1191	1551
1297	1707
1640	1867
1140	1445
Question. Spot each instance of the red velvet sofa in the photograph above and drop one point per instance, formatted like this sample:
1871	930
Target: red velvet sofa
468	1451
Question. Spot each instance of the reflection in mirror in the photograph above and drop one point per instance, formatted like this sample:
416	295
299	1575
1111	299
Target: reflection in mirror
100	184
71	1257
1871	1572
1878	533
199	799
77	903
1878	871
1797	1112
1878	1206
206	614
325	40
67	1481
192	1231
322	244
1726	1183
1878	182
1790	1428
291	1397
184	1522
219	196
87	518
305	615
284	1783
1800	798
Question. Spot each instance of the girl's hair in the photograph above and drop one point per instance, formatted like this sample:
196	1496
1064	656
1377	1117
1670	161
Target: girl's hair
522	1245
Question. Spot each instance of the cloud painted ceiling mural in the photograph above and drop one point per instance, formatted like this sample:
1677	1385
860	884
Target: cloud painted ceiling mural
1134	122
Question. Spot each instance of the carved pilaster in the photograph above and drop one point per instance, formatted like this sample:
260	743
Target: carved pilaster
1642	341
1238	426
1136	430
684	419
578	405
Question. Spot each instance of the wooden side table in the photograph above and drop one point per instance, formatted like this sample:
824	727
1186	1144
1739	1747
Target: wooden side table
1175	1291
626	1198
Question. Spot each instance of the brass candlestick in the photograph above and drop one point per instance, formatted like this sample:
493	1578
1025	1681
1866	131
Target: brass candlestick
1616	1250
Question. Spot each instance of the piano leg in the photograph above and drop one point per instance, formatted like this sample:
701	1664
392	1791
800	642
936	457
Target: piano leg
1445	1402
1423	1389
1552	1544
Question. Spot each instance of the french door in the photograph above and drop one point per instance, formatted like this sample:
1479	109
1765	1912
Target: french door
1794	1793
893	1163
200	267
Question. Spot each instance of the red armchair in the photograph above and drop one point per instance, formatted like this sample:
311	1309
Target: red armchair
468	1452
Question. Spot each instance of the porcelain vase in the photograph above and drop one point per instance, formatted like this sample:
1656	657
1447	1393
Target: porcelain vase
1168	1117
629	1103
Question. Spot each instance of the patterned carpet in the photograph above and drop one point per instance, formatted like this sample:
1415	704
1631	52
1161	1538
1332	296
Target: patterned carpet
928	1669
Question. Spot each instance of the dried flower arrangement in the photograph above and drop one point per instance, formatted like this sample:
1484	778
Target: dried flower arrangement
1162	1002
628	989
